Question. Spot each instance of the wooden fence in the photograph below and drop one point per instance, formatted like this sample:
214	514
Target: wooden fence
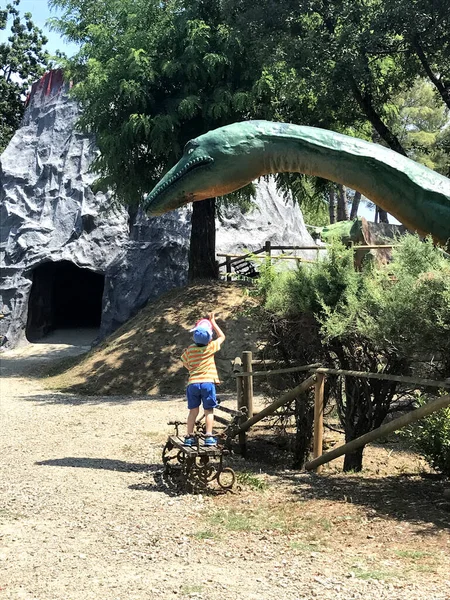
243	264
244	373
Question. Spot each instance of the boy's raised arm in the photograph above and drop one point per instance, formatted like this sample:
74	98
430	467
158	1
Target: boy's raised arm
220	333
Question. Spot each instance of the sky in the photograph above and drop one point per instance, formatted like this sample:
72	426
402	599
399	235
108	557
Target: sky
41	12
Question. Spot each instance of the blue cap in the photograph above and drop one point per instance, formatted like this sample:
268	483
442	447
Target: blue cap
202	336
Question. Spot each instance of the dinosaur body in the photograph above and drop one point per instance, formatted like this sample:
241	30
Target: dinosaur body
228	158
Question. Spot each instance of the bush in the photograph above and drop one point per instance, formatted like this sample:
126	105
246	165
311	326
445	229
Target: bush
431	437
390	320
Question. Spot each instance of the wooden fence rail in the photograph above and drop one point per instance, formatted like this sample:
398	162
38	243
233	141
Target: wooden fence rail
244	374
395	425
268	248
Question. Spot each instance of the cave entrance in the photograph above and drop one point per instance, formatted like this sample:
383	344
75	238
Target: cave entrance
64	298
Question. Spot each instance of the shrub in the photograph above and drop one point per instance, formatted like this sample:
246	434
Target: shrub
392	320
431	437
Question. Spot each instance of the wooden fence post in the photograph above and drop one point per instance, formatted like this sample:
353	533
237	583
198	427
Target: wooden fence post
268	250
395	425
247	383
284	399
237	368
228	268
318	418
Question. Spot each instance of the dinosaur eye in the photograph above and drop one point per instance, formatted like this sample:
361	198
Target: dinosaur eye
190	147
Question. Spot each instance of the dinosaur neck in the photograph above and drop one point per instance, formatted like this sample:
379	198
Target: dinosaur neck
415	195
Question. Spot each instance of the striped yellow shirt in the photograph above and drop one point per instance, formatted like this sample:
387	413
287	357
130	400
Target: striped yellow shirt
199	361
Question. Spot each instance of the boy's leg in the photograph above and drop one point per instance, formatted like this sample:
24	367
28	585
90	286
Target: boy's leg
194	400
209	420
192	417
208	392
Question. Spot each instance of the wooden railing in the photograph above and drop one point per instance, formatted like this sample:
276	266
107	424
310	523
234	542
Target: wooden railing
243	370
233	260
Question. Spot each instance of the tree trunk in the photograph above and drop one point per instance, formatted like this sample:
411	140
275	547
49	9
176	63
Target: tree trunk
132	214
304	417
353	461
443	89
342	209
365	102
332	207
202	250
381	216
355	205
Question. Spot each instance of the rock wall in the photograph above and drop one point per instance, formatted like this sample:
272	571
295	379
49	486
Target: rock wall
49	214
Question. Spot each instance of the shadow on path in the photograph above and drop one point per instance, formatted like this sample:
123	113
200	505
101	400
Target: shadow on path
404	498
157	482
99	463
76	400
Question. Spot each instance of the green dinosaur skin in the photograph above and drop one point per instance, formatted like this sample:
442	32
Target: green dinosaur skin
228	158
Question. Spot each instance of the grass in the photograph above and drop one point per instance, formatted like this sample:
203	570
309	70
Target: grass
266	518
252	481
6	513
326	524
206	534
128	449
235	521
191	589
154	436
419	560
376	574
412	554
307	546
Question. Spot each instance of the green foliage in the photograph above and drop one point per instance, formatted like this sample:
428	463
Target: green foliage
431	437
153	75
327	287
252	481
341	64
417	33
410	315
311	193
22	61
150	77
389	320
403	310
420	121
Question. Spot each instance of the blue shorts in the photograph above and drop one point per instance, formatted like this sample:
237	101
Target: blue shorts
205	393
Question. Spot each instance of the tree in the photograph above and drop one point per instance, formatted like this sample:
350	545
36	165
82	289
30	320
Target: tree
328	47
421	122
151	76
351	60
22	61
417	34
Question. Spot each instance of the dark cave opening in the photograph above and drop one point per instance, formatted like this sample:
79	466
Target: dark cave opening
63	296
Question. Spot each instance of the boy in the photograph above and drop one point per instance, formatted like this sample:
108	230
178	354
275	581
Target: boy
198	359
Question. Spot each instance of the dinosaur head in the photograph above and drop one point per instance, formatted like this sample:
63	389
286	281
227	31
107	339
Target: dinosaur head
208	168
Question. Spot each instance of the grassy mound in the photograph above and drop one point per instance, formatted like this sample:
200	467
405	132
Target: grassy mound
143	355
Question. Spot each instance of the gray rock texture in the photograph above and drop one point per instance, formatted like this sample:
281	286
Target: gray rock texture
49	214
270	219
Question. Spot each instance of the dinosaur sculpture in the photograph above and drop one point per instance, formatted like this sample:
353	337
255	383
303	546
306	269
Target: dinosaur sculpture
226	159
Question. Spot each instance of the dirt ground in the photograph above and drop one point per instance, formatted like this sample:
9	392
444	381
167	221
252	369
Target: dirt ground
86	514
143	355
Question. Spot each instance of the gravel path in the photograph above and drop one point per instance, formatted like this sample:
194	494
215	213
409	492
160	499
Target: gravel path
84	514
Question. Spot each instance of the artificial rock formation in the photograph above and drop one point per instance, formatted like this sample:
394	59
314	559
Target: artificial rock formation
70	258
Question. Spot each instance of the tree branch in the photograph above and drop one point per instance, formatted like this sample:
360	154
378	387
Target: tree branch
443	90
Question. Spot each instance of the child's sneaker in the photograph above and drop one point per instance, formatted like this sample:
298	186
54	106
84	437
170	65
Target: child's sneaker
189	440
210	441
